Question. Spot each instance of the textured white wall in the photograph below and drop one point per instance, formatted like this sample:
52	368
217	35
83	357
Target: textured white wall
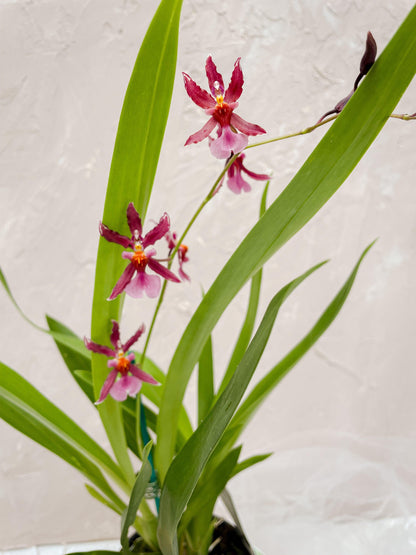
342	424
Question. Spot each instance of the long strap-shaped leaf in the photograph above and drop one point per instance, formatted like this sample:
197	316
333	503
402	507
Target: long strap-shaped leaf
186	468
322	174
24	408
136	152
266	385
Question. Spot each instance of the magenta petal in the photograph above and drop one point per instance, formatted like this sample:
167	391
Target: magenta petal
202	133
256	176
227	143
215	82
246	127
133	339
237	184
133	219
113	236
126	385
123	281
115	335
100	349
141	375
235	88
199	96
161	270
108	384
143	283
157	232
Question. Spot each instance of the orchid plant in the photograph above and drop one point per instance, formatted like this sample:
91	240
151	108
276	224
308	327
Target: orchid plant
168	494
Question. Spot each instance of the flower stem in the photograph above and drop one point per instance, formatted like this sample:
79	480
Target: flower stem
178	244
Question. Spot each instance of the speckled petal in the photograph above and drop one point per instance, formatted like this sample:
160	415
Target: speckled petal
133	339
162	270
114	237
141	375
228	142
133	219
214	78
235	88
202	133
157	232
201	98
245	127
115	335
100	349
123	281
108	384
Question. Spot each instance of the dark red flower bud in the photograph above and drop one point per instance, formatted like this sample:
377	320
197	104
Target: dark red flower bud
370	54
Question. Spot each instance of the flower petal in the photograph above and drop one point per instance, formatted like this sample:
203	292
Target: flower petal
133	339
126	385
215	82
108	384
246	127
201	98
113	236
202	133
254	175
115	335
123	281
133	219
235	88
228	142
143	283
141	375
100	349
237	184
162	270
157	232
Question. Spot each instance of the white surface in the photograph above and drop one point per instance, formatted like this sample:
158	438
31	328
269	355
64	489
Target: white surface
342	424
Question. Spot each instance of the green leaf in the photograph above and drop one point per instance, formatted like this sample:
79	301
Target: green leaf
97	495
322	174
133	167
249	321
27	410
266	385
205	380
206	493
188	465
137	494
250	461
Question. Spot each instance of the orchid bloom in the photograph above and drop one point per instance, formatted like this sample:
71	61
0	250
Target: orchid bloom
232	130
182	252
122	362
235	180
134	280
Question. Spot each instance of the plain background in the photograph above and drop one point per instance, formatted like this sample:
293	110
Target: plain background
342	424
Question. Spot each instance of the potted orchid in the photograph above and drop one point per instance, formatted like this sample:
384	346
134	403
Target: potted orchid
165	473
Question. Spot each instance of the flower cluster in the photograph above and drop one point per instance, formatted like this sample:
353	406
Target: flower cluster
122	363
232	130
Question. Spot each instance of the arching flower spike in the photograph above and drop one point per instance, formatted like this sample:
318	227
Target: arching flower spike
130	376
232	130
135	281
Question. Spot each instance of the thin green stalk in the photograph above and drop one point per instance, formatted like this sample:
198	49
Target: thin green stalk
178	244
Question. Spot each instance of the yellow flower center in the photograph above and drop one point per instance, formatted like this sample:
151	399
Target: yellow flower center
123	364
139	259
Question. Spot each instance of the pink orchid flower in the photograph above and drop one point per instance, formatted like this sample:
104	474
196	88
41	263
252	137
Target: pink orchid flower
235	180
131	376
172	239
232	130
134	280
